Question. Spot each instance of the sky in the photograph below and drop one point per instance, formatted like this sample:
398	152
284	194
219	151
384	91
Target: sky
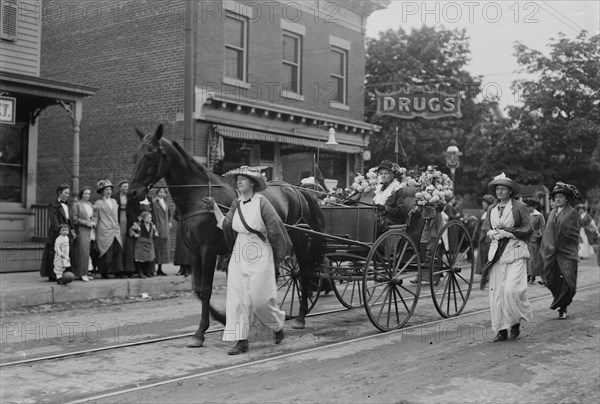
493	28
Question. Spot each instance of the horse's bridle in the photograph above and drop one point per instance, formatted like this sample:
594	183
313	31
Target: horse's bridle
159	174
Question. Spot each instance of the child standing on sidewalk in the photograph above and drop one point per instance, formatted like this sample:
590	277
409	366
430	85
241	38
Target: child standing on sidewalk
61	255
144	246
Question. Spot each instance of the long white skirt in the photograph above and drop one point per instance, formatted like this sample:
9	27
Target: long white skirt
508	295
251	288
585	248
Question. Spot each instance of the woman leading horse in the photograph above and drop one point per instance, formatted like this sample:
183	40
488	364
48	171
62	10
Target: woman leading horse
189	182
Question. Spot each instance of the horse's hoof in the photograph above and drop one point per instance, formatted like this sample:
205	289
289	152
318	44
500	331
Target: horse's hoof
298	324
196	342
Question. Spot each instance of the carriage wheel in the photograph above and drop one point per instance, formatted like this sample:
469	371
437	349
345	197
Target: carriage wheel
346	271
289	289
452	269
390	299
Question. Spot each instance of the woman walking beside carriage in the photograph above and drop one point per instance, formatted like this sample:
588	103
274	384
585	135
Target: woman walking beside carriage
260	241
560	245
507	228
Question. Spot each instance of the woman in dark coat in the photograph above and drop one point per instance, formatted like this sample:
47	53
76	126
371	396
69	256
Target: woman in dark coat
560	245
83	213
60	212
535	265
389	197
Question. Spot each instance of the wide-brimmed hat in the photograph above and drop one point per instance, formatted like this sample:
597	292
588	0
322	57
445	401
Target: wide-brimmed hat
502	179
567	190
388	165
253	173
103	184
488	198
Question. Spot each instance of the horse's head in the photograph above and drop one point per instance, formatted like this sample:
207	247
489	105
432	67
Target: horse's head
148	169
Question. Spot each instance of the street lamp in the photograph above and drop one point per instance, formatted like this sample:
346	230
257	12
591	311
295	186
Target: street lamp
453	159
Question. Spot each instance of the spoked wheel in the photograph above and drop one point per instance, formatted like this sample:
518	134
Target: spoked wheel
346	272
289	289
451	269
390	299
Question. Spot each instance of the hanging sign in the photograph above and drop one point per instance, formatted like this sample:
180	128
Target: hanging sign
8	107
418	102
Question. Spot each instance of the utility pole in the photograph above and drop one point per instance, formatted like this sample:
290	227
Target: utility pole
188	78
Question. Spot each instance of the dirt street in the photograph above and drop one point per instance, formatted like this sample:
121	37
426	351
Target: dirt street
339	357
553	361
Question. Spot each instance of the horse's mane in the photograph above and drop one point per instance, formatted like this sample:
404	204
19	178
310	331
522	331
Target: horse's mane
194	166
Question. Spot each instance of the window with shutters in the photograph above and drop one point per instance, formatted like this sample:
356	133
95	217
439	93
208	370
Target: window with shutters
8	19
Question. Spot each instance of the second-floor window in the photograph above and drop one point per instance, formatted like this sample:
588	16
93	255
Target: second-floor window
292	63
8	19
339	74
236	46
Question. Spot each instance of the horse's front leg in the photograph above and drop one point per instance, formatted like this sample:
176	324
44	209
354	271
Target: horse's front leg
203	267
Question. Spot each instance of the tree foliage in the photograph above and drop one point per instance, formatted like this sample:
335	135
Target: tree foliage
434	58
561	109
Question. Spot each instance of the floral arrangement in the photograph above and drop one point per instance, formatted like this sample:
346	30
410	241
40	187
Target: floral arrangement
336	196
364	183
435	188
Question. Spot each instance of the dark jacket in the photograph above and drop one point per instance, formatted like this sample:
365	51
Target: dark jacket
57	218
276	232
394	212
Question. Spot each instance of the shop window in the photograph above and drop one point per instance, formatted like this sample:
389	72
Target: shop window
12	163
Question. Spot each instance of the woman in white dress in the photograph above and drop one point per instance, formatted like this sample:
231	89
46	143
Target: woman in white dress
261	241
507	228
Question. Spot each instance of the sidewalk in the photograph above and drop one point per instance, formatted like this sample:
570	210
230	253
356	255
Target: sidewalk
23	289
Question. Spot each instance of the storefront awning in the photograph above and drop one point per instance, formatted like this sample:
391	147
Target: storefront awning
248	134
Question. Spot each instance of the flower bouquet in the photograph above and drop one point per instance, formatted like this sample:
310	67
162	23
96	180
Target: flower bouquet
435	190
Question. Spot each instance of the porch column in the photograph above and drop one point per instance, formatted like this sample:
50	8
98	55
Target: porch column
76	118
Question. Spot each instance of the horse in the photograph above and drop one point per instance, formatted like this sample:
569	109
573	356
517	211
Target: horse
188	182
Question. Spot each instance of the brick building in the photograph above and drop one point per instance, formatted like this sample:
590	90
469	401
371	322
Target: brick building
25	97
270	79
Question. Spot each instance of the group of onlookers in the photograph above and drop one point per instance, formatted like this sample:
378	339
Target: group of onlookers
111	237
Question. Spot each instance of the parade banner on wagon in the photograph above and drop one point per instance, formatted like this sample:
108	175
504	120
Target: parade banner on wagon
417	102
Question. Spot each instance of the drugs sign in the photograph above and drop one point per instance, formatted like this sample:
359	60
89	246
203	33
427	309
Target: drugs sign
409	104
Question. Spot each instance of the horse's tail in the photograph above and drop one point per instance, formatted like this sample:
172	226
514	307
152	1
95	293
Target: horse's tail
316	222
316	219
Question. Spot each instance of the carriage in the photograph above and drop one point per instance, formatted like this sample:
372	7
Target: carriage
386	273
382	273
